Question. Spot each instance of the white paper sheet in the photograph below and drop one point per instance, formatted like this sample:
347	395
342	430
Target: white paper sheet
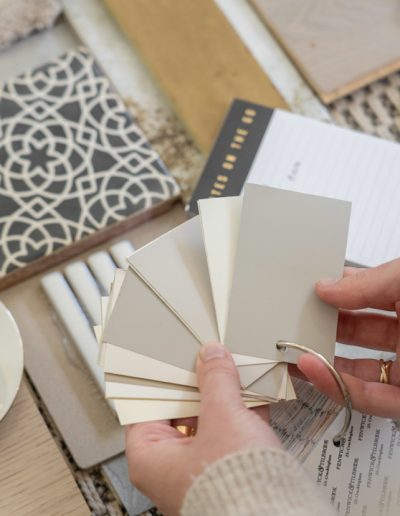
308	156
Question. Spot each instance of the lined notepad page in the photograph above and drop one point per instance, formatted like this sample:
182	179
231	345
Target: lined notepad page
308	156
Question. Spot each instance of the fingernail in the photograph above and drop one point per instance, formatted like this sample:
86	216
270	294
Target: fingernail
327	282
212	350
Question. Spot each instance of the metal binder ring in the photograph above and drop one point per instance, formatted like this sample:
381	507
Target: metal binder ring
337	439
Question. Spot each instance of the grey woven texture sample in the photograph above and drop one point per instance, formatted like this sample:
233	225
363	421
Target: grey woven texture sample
374	109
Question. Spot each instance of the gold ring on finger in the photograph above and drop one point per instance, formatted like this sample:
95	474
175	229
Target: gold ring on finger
385	366
186	430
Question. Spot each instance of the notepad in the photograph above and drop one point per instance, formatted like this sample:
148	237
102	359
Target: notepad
284	150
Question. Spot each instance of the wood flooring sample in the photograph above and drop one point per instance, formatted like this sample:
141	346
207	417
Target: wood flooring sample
34	478
198	59
339	46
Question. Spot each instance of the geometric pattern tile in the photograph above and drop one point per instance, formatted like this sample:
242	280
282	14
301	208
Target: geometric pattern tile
72	160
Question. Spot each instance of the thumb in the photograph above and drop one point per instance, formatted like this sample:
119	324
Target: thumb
218	380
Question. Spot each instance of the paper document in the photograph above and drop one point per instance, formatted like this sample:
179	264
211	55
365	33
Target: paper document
361	477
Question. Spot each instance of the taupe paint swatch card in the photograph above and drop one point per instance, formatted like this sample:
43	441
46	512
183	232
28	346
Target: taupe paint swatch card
141	322
175	267
287	242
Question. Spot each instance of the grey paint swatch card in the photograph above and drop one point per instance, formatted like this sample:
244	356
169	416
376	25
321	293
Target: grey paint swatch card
175	267
141	322
287	242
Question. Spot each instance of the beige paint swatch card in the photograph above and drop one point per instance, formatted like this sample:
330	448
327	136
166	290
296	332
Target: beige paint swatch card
108	305
287	242
121	387
121	361
266	382
139	411
250	374
138	388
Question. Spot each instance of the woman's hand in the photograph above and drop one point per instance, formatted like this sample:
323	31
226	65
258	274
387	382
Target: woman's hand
378	288
162	461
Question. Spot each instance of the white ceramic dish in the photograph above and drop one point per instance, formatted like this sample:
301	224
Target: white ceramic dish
11	360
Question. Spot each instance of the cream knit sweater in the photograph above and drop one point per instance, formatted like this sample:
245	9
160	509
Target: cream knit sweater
254	482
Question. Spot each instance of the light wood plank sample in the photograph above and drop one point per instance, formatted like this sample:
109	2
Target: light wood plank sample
339	46
198	59
34	479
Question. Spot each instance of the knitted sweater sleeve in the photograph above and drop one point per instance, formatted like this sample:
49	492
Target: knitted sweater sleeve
259	481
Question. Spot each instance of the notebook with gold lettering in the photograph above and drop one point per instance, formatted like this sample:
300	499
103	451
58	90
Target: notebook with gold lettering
284	150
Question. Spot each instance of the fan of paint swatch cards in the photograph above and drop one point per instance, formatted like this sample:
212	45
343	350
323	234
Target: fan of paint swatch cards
241	272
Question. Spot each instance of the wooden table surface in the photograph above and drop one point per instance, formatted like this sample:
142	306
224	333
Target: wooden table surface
34	478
